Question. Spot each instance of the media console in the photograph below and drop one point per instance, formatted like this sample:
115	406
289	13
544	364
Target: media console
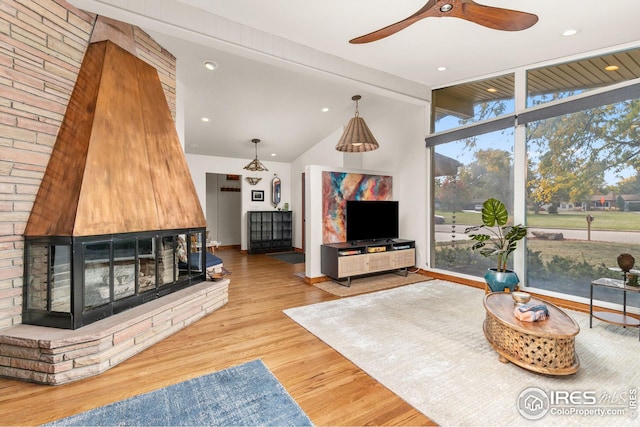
342	261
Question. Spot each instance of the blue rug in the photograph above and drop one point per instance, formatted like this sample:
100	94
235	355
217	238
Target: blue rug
289	257
245	395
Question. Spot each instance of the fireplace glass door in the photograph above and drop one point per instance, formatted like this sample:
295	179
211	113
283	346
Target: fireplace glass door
93	277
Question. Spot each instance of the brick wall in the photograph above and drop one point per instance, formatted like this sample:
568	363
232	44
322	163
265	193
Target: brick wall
42	43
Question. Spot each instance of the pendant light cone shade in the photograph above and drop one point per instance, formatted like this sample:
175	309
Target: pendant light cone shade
255	165
357	137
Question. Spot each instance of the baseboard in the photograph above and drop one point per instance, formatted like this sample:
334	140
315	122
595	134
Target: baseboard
560	302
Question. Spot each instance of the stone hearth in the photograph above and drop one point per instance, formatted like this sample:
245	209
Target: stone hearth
56	356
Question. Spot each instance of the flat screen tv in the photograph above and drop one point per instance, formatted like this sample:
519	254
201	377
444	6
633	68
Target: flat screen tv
368	220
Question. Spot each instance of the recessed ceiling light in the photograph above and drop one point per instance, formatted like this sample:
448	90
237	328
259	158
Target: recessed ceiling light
205	119
442	68
570	32
325	109
273	154
612	68
210	65
492	90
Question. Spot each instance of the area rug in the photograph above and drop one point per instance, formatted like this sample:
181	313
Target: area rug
367	284
425	343
244	395
289	257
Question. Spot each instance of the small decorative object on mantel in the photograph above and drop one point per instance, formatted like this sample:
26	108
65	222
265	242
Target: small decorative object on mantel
253	180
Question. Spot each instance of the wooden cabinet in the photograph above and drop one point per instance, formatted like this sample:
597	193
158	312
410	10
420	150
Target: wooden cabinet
269	231
342	261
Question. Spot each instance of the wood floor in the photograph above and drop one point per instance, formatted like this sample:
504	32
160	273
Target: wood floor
329	388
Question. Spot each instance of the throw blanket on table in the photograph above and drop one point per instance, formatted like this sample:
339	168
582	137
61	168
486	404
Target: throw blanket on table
531	312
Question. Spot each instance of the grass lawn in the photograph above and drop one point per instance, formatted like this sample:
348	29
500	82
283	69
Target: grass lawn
594	253
603	220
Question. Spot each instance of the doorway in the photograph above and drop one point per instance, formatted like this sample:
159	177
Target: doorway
304	216
224	208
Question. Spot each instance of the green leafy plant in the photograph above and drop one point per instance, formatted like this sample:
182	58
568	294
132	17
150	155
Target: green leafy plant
499	239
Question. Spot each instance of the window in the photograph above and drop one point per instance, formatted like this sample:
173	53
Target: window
565	160
587	159
469	171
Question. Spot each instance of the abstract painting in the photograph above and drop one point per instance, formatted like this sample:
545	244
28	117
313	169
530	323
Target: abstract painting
337	188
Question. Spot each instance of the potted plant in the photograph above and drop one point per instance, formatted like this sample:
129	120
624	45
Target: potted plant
498	240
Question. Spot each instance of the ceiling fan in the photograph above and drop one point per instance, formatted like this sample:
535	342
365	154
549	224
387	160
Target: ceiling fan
489	16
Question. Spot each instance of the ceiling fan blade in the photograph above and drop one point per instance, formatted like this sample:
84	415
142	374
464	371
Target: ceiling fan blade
494	17
424	12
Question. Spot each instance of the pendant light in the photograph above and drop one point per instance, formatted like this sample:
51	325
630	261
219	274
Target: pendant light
357	137
255	165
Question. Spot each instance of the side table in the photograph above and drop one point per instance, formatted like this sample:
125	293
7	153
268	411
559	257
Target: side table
614	318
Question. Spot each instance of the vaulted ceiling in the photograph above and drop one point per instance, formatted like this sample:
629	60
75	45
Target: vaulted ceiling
281	61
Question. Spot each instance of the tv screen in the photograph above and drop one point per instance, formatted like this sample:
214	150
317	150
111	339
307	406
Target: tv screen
371	220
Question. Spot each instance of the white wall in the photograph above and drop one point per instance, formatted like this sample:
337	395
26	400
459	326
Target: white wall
403	152
322	153
402	155
200	166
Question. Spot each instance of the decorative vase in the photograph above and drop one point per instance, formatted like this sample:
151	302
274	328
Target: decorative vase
626	262
501	281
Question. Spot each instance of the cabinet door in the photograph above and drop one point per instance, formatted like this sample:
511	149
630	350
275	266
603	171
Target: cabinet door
254	221
352	265
287	225
277	225
404	258
380	261
266	226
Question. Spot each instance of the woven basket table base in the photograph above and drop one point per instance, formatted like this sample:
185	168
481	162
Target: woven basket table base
532	348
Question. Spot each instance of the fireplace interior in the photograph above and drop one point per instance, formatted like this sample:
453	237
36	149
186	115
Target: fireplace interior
72	282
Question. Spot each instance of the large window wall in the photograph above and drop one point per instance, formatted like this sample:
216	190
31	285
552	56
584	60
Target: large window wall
484	169
562	153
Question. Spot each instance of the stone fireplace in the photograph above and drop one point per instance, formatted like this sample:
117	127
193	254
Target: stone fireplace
114	259
116	200
117	205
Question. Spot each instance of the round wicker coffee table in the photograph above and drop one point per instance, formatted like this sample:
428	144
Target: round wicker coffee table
546	347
